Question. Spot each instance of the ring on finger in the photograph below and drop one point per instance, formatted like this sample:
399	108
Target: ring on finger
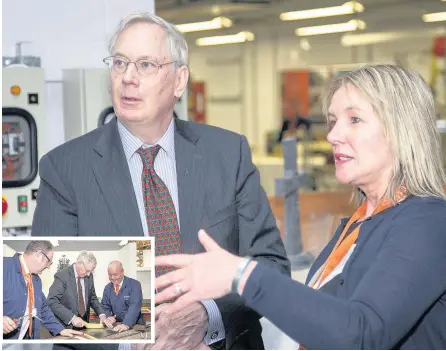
178	289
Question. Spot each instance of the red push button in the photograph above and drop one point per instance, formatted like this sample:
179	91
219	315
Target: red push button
4	206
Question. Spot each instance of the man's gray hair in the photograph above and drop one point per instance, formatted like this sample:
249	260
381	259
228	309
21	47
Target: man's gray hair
87	258
175	41
39	245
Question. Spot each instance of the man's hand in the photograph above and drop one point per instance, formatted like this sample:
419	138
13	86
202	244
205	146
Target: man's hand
202	346
78	322
8	325
104	320
198	277
70	332
183	330
120	328
112	319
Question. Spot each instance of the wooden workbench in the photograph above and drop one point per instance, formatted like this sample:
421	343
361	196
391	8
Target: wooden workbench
137	332
320	214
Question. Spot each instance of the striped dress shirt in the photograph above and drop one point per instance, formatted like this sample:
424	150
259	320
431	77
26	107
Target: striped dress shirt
165	167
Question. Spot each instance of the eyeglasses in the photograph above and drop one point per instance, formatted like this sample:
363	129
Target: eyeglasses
144	67
49	261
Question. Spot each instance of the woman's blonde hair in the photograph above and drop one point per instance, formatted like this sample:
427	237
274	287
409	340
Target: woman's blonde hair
405	105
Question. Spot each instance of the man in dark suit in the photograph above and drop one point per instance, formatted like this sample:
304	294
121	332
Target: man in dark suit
122	298
24	312
72	293
146	173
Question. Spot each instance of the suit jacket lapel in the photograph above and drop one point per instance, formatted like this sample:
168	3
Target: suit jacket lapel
19	268
190	165
320	260
87	282
364	234
73	283
124	283
113	177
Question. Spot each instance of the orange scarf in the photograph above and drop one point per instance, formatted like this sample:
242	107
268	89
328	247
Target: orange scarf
343	246
29	284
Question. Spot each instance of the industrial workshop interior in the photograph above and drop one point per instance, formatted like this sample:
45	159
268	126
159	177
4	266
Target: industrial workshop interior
259	69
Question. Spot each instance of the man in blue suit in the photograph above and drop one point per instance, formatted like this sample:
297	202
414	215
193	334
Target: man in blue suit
122	298
24	304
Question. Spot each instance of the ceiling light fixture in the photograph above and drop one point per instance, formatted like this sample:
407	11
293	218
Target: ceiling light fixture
226	39
345	9
351	39
349	26
216	23
434	17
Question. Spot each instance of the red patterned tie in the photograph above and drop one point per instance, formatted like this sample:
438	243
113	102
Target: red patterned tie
160	210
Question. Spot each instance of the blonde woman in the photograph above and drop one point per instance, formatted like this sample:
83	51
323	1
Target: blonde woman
380	283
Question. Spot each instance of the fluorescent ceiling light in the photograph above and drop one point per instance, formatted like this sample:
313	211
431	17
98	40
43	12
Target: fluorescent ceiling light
349	26
123	243
434	17
226	39
370	38
346	9
383	37
216	23
55	243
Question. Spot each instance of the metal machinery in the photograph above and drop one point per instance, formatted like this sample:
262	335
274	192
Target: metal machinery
87	101
23	115
288	186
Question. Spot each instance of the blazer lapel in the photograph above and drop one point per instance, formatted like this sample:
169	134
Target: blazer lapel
364	234
19	268
72	282
190	177
113	177
320	260
124	284
87	283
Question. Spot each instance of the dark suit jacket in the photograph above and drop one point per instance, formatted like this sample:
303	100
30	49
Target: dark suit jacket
15	297
86	190
63	299
392	291
126	305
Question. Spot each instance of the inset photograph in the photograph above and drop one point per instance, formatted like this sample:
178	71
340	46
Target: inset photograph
78	290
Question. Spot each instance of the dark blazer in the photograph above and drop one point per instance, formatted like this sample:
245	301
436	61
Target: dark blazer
126	305
63	298
392	291
15	297
86	190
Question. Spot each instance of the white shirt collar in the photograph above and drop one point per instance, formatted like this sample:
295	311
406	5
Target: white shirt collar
131	143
